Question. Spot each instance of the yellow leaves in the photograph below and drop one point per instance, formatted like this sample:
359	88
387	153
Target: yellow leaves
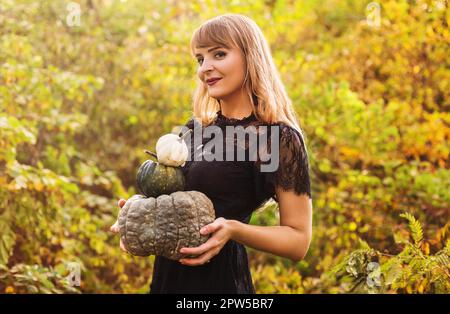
409	289
421	286
123	277
349	152
359	195
10	290
38	186
426	248
320	131
325	166
132	120
10	80
97	262
401	236
55	240
430	31
135	82
277	279
352	226
119	268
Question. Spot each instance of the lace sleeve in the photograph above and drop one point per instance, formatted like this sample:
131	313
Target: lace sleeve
293	169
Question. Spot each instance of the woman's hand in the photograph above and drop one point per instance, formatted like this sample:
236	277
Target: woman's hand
222	233
115	227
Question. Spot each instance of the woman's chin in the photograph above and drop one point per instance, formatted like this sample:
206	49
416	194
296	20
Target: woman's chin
215	95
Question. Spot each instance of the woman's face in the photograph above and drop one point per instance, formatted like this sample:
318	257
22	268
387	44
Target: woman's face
226	64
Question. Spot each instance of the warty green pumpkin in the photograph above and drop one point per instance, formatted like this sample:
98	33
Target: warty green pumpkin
163	225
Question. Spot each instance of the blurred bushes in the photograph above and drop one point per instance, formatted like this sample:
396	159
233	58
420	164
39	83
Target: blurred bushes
79	104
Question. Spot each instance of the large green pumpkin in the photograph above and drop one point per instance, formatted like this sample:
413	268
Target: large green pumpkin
163	225
154	179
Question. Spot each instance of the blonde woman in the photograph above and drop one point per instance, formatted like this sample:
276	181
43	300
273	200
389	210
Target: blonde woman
239	86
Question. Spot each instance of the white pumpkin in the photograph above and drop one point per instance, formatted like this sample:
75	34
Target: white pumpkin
171	150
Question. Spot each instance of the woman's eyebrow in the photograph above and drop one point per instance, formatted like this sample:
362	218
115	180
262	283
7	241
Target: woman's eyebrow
209	50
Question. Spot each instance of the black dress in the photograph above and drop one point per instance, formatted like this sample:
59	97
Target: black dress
236	189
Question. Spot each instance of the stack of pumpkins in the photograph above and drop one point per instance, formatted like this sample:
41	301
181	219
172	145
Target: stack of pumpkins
166	217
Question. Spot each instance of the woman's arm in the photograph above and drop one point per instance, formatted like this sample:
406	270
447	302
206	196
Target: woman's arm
291	239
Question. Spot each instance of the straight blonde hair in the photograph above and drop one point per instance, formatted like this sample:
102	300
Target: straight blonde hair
263	86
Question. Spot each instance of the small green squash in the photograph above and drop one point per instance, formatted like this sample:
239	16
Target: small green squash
154	179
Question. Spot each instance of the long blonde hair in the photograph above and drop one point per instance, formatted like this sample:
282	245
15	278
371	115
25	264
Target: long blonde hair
263	86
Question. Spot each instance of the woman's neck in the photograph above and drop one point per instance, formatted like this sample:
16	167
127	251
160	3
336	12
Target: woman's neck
236	106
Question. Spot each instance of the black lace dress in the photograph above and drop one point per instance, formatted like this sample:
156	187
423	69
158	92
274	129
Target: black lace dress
236	189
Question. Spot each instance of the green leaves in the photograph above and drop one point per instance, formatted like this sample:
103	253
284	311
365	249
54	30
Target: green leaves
35	279
14	132
7	238
415	227
413	270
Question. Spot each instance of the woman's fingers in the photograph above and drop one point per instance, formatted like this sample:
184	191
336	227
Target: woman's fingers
199	260
195	250
121	202
122	246
115	228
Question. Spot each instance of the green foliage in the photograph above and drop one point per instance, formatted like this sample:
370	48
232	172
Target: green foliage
415	227
78	105
413	270
33	279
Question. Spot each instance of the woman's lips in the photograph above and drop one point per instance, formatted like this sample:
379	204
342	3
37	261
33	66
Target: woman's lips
213	82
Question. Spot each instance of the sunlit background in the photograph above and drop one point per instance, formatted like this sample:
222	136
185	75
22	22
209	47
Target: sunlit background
87	85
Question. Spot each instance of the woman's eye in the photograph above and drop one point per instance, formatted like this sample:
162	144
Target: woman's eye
220	53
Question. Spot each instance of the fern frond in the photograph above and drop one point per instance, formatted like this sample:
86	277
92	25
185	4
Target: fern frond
415	227
7	239
364	245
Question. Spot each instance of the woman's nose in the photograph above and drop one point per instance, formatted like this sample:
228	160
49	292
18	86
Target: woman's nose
206	66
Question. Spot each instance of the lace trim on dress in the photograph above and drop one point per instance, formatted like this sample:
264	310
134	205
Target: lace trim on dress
222	120
293	172
293	169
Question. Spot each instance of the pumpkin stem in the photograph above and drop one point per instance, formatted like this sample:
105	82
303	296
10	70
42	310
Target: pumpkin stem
151	153
182	136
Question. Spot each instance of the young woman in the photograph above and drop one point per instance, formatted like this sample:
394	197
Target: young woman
239	85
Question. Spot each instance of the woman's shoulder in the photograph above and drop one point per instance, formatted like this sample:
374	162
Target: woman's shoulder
284	131
292	165
291	142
